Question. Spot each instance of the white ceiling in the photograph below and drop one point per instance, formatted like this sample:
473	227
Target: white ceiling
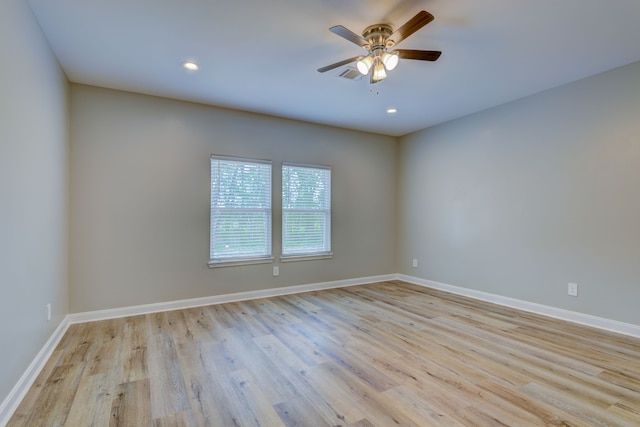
262	56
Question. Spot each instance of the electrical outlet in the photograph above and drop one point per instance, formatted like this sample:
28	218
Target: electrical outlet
276	271
414	263
48	312
572	289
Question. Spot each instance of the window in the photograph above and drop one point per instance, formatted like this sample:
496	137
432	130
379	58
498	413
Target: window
306	211
240	211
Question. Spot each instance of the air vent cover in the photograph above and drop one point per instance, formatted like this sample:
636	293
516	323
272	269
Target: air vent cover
350	73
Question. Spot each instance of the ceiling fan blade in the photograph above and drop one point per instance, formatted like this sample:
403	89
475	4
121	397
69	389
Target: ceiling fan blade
339	64
411	26
349	35
420	55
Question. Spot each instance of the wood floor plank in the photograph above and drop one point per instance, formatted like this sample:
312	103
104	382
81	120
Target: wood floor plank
131	404
256	411
209	404
298	412
168	390
55	398
93	394
383	354
133	364
199	324
221	316
544	414
31	400
626	410
377	409
591	413
181	419
304	349
421	411
276	387
338	395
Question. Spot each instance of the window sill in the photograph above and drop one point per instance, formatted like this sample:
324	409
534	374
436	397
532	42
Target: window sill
302	257
236	262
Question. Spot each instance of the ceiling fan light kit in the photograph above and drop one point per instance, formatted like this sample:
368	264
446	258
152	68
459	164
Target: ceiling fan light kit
364	65
390	60
379	72
377	40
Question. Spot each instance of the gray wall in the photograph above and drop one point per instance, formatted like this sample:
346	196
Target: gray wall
33	191
521	199
140	198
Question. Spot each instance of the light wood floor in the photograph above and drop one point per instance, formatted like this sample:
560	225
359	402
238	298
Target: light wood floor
383	354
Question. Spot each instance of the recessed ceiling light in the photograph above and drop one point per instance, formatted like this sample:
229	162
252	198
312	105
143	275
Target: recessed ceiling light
392	110
190	65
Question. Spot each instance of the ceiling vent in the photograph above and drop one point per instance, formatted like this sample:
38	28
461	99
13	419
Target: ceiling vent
350	74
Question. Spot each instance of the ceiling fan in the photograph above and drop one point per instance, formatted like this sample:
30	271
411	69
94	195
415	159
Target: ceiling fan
378	39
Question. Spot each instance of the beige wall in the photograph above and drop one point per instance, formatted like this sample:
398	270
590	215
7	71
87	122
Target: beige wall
140	198
33	191
521	199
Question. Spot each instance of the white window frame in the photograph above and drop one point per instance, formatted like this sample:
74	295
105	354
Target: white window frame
224	260
311	255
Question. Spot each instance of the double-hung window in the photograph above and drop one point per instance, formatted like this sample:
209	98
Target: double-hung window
306	211
240	211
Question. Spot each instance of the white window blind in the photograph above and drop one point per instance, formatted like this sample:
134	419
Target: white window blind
240	210
306	210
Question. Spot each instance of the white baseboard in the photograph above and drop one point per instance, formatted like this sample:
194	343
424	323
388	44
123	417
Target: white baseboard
558	313
10	404
91	316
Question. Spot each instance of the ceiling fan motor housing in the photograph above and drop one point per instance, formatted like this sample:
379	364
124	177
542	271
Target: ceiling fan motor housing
377	36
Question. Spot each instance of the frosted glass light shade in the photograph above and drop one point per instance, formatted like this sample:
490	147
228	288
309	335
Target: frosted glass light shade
390	60
364	65
378	72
